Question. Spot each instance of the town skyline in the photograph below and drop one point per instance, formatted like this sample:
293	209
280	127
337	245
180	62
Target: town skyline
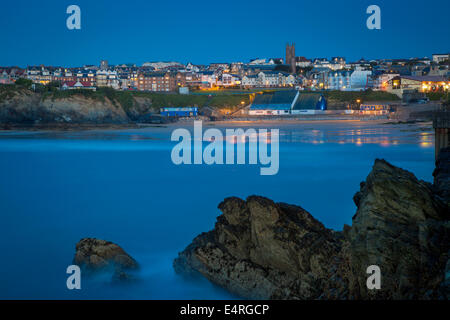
292	71
244	61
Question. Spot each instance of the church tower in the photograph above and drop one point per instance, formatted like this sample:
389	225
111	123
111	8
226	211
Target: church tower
290	56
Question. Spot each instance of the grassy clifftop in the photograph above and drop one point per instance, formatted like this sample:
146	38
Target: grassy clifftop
135	103
10	91
48	104
158	100
126	98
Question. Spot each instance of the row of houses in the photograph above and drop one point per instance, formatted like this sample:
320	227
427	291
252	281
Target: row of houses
360	79
339	63
11	74
269	79
344	80
314	74
89	74
171	81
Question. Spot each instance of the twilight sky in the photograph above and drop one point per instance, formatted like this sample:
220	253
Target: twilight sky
199	31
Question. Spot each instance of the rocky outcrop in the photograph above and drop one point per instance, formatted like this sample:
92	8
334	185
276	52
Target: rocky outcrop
94	255
78	109
261	249
25	107
265	250
142	107
442	175
20	106
401	226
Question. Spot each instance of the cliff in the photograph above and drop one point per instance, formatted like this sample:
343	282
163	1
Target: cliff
260	249
49	106
20	106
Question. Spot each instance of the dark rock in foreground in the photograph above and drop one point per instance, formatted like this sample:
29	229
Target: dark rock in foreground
402	226
442	175
260	249
94	255
265	250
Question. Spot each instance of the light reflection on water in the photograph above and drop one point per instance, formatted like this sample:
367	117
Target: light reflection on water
381	134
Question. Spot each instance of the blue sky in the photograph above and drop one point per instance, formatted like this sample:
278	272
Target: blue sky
198	31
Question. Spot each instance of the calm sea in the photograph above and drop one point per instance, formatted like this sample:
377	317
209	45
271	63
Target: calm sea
121	185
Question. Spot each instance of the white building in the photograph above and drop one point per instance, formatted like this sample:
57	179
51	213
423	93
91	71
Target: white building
269	79
275	79
440	57
192	68
302	62
258	61
161	65
338	80
229	79
359	79
250	81
209	79
107	78
337	64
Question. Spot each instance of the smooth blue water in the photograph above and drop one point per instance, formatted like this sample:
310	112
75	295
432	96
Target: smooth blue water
59	187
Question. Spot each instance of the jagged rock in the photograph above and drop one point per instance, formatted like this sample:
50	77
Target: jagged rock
94	255
265	250
442	175
262	249
402	227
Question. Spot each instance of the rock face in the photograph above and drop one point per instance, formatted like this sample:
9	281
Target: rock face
442	175
260	249
402	227
78	109
26	107
265	250
94	255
